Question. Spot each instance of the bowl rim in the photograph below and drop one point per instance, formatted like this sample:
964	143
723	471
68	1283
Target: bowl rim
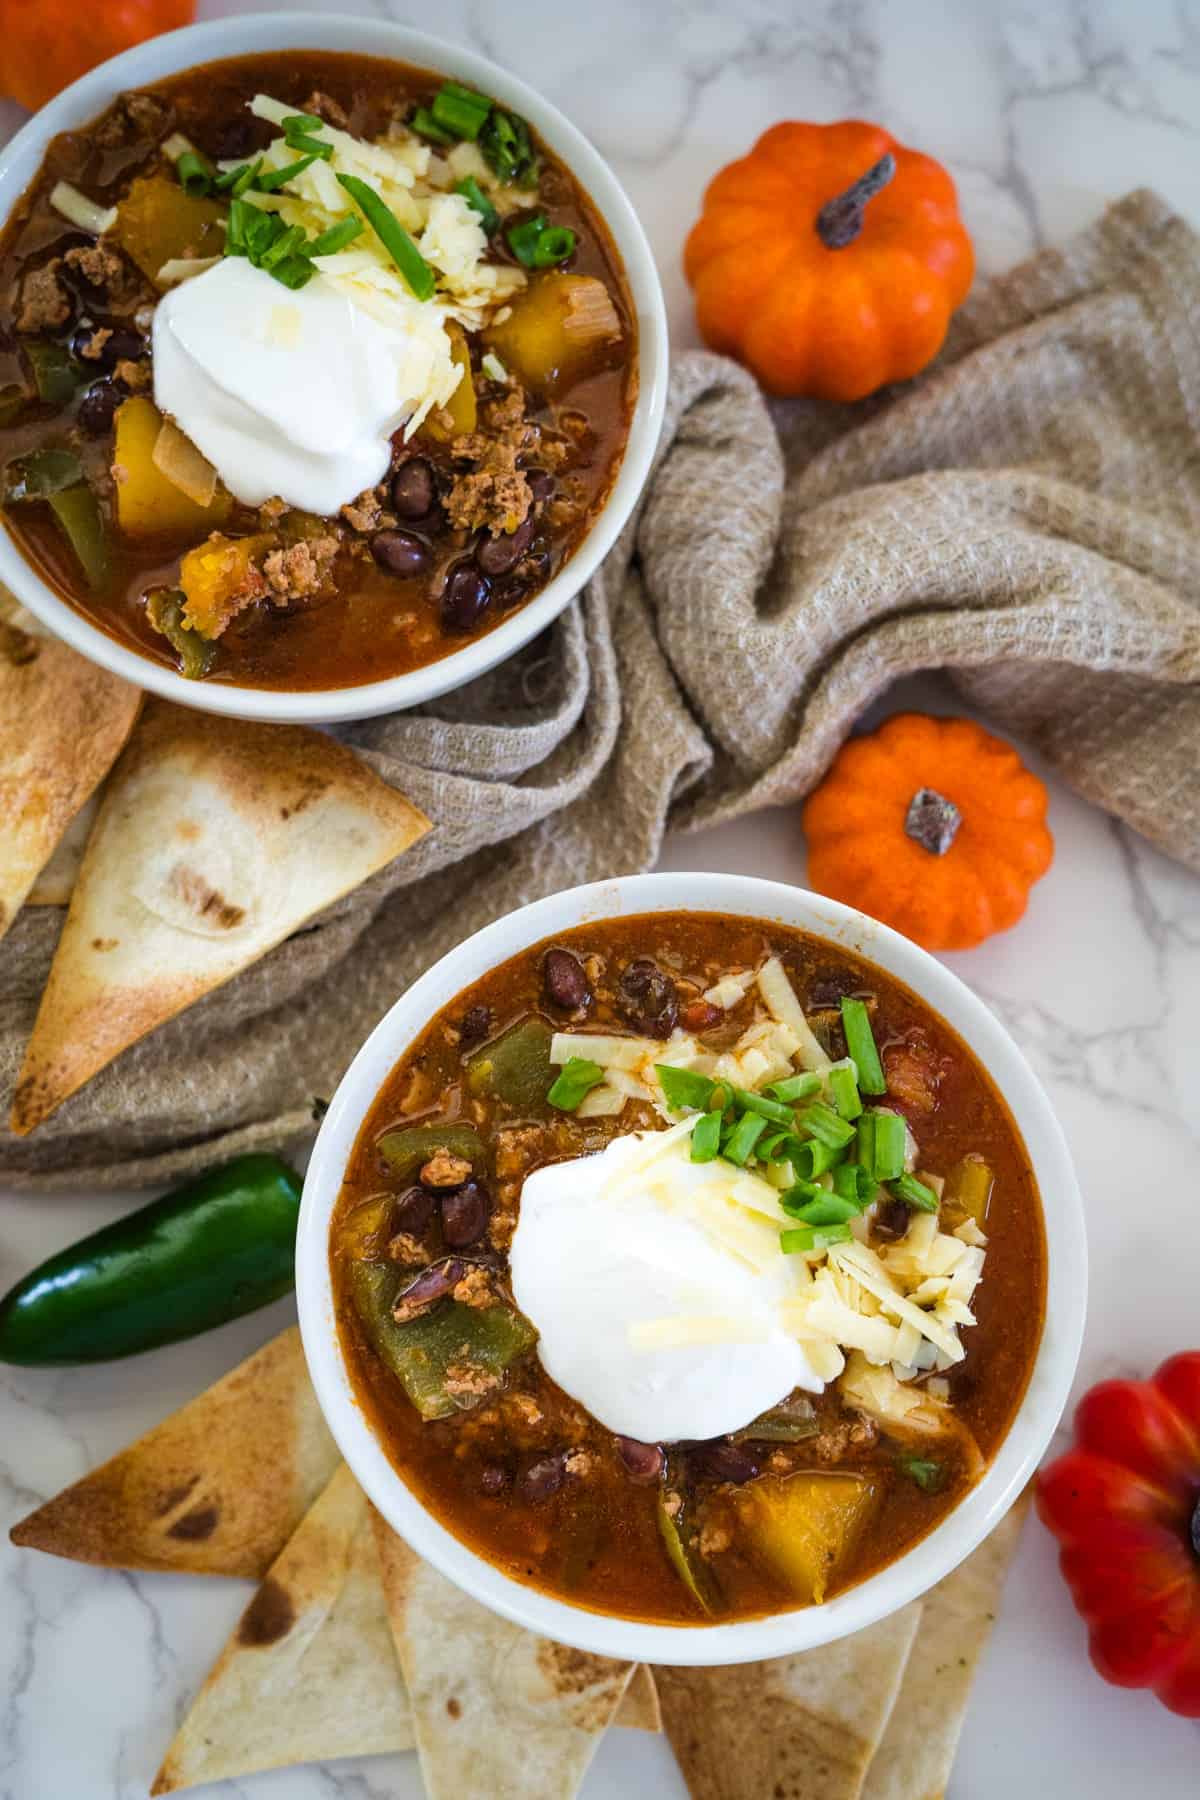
216	40
917	1569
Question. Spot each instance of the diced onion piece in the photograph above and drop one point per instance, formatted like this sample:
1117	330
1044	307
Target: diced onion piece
492	367
177	145
969	1233
609	1052
729	990
81	211
604	1102
182	268
176	457
783	1005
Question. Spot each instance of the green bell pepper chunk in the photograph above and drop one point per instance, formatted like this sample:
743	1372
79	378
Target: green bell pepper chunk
516	1066
421	1352
406	1149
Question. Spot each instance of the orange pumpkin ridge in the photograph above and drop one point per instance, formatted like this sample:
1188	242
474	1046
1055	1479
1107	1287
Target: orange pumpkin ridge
934	826
829	259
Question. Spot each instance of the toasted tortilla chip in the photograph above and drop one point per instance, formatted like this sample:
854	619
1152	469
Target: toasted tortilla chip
56	883
496	1710
913	1761
806	1726
639	1709
215	840
63	723
216	1489
310	1672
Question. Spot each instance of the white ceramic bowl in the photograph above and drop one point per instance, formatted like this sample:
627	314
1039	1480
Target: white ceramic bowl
259	32
919	1568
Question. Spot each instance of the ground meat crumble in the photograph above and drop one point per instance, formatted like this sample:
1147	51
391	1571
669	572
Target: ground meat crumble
301	571
45	304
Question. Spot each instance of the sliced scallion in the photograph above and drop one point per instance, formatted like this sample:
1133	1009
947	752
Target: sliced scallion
392	235
288	243
294	272
301	122
743	1138
555	244
336	238
478	201
745	1101
844	1090
311	146
796	1087
426	125
276	178
460	110
577	1077
813	1237
823	1123
852	1182
915	1193
706	1137
887	1156
681	1088
860	1042
827	1209
196	174
245	178
508	148
523	238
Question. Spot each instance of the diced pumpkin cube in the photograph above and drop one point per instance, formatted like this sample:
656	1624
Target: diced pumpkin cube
147	503
460	408
804	1526
157	221
220	577
557	330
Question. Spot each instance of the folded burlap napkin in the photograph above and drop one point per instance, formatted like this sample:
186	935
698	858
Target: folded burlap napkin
1026	516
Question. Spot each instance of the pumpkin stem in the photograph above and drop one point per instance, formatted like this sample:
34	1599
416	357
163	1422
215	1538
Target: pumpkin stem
932	821
840	220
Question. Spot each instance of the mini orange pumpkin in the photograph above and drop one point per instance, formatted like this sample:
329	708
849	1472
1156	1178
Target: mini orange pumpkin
932	825
829	260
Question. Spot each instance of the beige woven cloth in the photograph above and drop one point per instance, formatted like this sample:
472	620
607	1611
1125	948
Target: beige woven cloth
1027	517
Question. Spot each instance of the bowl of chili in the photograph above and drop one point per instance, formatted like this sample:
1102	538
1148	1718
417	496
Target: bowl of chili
489	1280
152	537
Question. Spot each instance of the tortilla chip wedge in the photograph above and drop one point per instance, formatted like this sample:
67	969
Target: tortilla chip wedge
310	1672
806	1726
496	1710
215	840
63	723
914	1760
216	1489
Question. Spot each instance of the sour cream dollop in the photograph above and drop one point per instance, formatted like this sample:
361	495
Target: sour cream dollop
661	1331
294	393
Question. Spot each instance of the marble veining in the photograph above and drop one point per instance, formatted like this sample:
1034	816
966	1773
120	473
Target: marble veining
1043	113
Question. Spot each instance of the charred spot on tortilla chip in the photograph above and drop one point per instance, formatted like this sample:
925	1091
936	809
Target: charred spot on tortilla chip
102	943
454	1708
175	1497
200	1523
203	899
269	1616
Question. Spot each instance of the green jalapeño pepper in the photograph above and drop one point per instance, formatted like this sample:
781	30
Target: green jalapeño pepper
218	1247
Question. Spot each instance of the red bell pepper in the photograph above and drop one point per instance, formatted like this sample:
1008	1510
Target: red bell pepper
1125	1506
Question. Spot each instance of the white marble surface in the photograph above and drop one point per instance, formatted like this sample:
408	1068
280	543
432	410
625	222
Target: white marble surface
1043	112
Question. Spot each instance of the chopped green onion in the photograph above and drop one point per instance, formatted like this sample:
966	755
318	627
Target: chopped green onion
277	178
683	1088
813	1237
286	244
578	1076
928	1475
301	122
460	110
475	198
295	272
860	1042
523	238
771	1145
336	238
852	1182
800	1194
246	178
226	178
864	1149
746	1101
844	1089
887	1157
555	244
196	174
796	1087
300	140
706	1138
743	1137
392	235
827	1209
915	1193
424	122
809	1157
824	1124
508	148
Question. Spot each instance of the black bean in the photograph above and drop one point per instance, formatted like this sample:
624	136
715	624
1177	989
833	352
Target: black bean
465	1214
477	1022
825	992
566	983
725	1462
892	1219
647	998
544	1477
497	555
236	138
465	597
541	483
400	553
643	1463
413	1212
122	343
99	403
432	1283
493	1479
414	493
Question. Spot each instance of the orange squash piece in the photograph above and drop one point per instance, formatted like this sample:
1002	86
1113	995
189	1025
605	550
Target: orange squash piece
829	260
220	577
157	221
933	826
804	1526
147	503
460	409
557	330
